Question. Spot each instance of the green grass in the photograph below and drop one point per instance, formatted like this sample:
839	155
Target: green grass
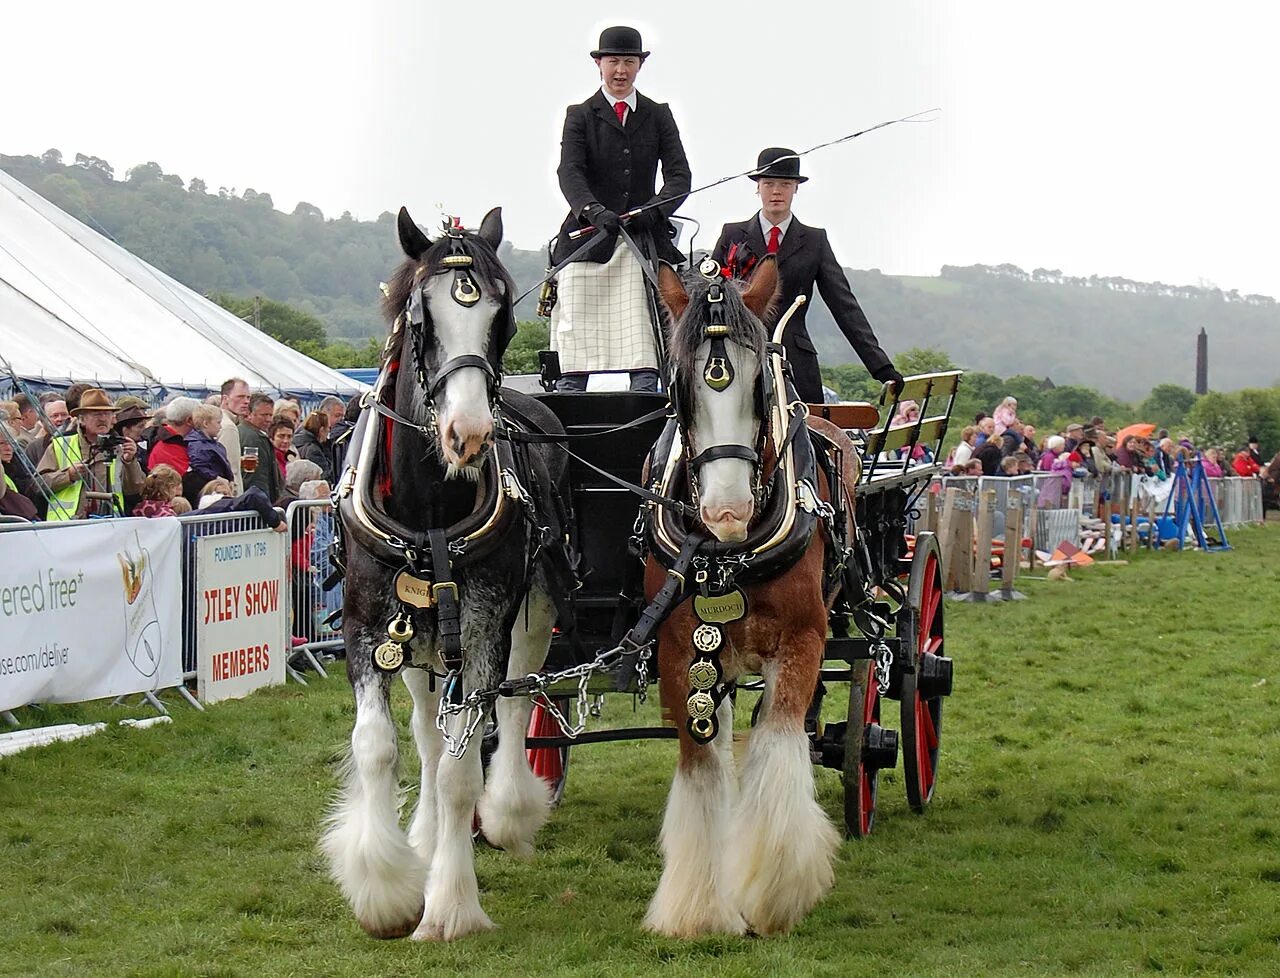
1109	804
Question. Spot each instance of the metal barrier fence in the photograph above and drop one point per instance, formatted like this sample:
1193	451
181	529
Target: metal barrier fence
1119	510
197	525
1239	500
314	613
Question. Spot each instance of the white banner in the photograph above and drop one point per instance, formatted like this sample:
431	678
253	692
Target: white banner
89	610
242	628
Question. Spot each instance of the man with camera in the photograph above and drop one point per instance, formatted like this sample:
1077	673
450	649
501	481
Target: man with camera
89	469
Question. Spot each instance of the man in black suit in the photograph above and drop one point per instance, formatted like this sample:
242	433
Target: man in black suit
612	146
804	258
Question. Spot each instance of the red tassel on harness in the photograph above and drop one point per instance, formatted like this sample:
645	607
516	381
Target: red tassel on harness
384	483
731	269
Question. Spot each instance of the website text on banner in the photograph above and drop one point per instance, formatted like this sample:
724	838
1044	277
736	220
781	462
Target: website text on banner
241	620
89	610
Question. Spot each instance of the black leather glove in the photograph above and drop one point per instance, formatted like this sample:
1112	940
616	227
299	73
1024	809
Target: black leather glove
889	374
600	216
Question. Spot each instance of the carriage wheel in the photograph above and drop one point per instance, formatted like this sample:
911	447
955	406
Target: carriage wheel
551	764
926	676
868	747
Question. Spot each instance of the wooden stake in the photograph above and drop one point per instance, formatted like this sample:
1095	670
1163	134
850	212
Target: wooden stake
984	528
1012	541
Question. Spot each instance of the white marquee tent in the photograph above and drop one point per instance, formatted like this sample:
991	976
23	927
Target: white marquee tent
74	305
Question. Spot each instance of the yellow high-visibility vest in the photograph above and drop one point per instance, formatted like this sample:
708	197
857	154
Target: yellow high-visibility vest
66	452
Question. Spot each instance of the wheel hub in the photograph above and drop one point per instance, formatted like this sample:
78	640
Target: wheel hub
879	747
935	676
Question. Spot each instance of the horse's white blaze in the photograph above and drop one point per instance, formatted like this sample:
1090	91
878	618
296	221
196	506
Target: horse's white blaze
694	895
462	406
726	417
379	873
422	827
516	801
452	905
780	863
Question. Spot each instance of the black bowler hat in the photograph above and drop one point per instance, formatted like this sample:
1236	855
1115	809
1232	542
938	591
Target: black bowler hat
778	163
620	40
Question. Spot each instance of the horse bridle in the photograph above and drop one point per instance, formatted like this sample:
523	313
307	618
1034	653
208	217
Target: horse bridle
466	293
718	374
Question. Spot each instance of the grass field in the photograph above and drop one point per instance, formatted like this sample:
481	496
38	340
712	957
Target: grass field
1108	804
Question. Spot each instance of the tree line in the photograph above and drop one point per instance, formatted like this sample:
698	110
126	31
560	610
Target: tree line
1103	334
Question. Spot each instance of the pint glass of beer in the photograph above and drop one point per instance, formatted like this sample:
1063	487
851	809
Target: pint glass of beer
249	460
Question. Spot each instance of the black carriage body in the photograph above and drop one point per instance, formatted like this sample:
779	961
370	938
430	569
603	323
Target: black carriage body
604	514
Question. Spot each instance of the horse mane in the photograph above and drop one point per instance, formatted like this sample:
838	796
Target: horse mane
485	266
688	333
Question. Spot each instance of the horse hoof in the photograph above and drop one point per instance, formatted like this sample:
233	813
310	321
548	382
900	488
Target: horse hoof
394	932
452	926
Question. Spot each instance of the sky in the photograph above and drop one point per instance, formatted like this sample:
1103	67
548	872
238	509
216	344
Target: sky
1133	139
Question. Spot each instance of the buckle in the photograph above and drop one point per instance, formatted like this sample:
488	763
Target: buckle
511	485
444	586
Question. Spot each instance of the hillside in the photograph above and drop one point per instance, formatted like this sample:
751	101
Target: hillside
1114	335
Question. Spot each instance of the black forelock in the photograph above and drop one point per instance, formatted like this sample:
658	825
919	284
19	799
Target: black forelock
485	266
687	335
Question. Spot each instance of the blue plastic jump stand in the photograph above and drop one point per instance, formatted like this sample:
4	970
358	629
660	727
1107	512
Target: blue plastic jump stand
1188	499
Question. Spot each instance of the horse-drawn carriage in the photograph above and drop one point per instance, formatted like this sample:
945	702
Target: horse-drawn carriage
719	536
893	649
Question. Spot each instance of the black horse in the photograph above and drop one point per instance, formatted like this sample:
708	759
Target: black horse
448	527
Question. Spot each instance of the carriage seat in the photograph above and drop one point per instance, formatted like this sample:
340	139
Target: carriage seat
850	416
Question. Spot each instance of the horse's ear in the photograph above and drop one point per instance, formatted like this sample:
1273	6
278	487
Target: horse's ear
674	297
491	228
762	287
412	240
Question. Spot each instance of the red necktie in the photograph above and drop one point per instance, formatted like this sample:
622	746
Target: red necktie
775	233
621	109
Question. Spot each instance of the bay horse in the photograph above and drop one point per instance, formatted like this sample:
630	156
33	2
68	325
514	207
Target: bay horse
753	853
445	526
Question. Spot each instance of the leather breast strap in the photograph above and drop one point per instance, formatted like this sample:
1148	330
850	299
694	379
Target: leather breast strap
445	591
657	610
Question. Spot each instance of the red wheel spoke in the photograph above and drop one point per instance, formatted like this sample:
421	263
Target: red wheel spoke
929	733
920	626
929	608
923	746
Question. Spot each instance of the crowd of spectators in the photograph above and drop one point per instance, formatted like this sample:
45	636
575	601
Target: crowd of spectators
1002	444
76	453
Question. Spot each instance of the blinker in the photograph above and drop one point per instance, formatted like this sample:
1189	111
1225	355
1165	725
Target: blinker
465	292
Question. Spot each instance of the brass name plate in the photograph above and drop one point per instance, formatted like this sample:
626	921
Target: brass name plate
720	609
413	590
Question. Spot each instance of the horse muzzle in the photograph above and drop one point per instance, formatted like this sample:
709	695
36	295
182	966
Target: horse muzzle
728	523
465	440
